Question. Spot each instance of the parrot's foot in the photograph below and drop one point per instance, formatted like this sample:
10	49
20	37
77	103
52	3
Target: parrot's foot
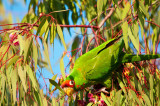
98	88
104	90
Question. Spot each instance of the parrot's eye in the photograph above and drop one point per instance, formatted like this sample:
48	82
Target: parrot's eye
71	82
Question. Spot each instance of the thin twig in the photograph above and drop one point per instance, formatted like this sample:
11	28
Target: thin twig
103	21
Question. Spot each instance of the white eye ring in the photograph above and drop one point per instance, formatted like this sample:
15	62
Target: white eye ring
71	82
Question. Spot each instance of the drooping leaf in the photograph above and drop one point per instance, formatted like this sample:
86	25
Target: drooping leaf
42	27
144	9
22	75
134	39
44	102
134	96
35	55
117	98
62	68
126	10
125	34
31	75
46	55
53	33
38	98
90	104
46	34
21	43
151	88
14	83
99	6
3	86
146	99
60	33
122	85
13	60
50	85
105	99
27	46
56	85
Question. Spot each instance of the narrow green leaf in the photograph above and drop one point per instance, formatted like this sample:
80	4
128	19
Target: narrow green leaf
115	2
12	60
53	33
56	85
38	98
158	91
122	85
99	6
119	12
22	75
117	98
141	21
46	34
14	82
3	90
90	104
45	102
154	39
146	99
50	85
125	33
46	55
144	9
61	101
32	76
24	103
151	87
60	33
8	75
134	39
27	47
105	99
81	95
35	55
75	44
135	96
135	30
126	10
21	43
42	27
62	68
54	102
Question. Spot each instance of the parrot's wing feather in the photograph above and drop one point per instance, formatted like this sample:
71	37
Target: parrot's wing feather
101	69
104	63
94	52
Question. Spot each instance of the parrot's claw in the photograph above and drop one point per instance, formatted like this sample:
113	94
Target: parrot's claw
103	89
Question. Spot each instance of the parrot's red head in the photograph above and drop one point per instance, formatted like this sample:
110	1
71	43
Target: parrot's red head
68	86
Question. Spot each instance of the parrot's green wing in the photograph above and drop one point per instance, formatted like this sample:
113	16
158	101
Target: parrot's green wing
101	66
94	52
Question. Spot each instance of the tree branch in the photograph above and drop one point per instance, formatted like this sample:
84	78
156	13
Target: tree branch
103	21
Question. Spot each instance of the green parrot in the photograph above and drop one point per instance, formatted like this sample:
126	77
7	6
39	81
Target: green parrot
96	66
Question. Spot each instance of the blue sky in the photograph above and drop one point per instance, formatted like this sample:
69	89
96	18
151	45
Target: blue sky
18	9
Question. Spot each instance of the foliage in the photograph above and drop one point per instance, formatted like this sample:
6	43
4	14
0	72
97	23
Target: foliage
24	50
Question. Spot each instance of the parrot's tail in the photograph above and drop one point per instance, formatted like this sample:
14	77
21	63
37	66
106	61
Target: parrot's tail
128	58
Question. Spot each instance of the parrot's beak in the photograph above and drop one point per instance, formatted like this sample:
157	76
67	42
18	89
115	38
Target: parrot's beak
68	90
